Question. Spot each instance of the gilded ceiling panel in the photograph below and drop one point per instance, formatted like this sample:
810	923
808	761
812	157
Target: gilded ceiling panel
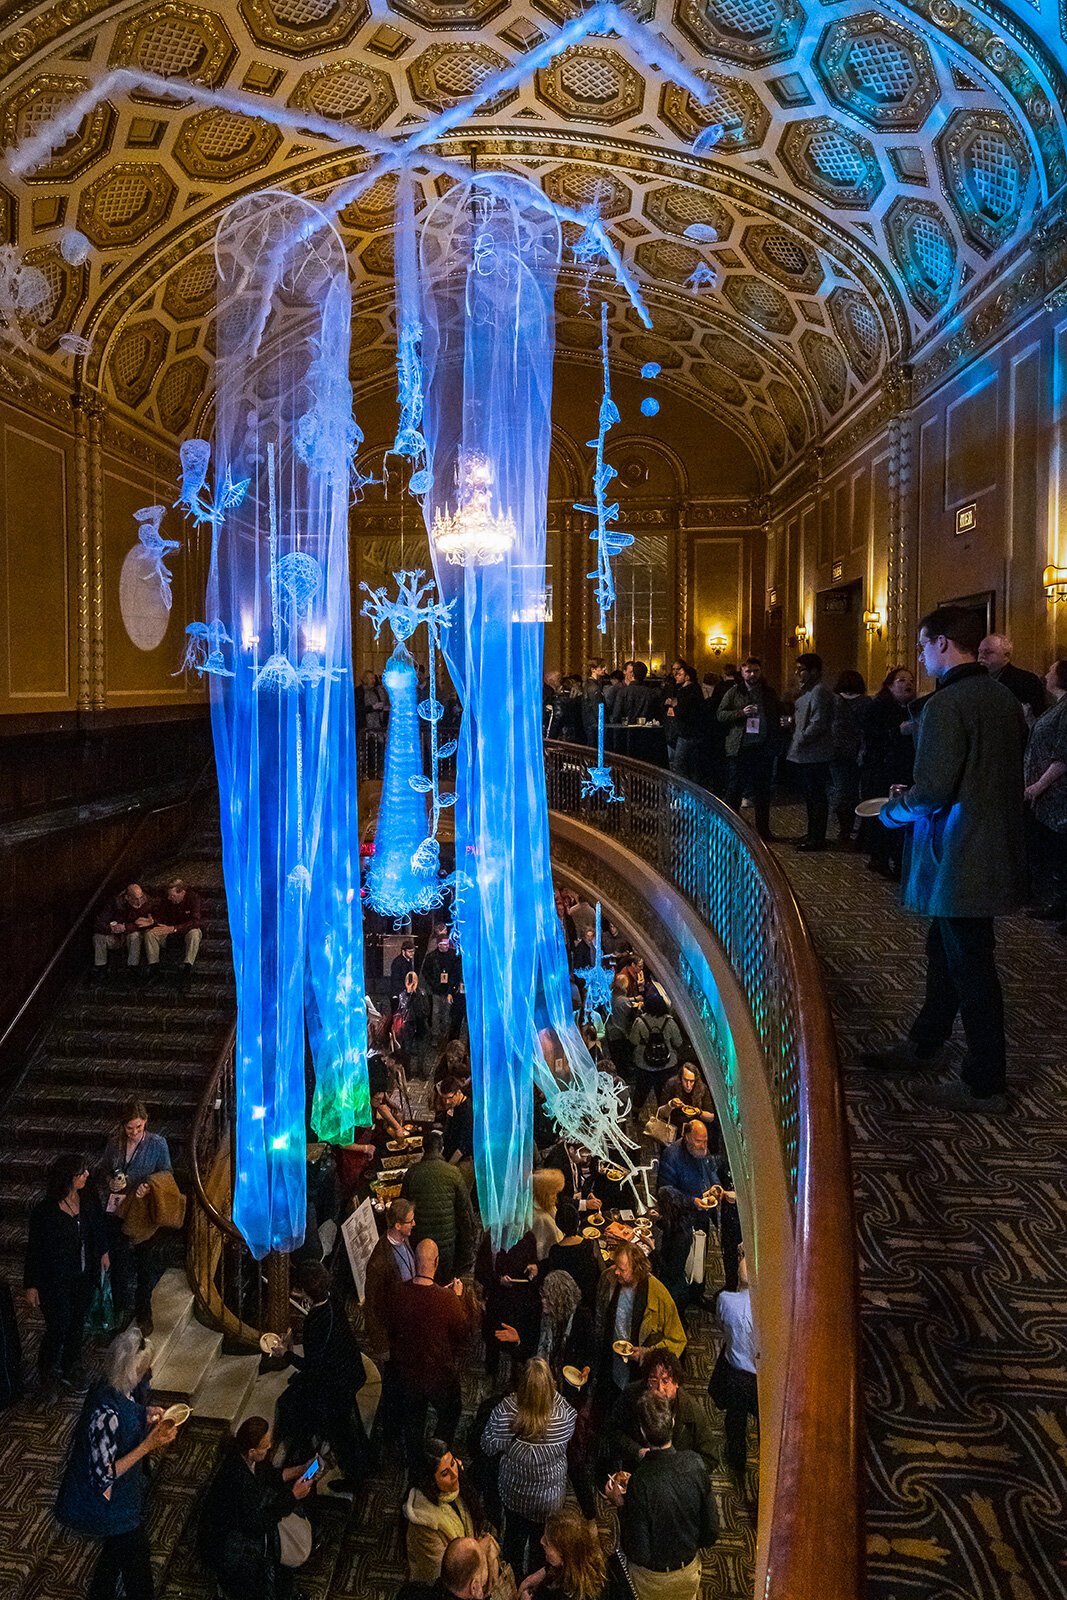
876	161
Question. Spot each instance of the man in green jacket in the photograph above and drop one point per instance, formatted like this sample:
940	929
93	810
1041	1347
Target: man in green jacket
965	860
442	1208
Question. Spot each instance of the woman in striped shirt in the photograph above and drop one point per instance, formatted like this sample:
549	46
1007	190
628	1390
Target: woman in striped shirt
530	1431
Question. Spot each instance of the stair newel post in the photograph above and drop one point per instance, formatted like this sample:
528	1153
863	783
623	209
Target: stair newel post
276	1311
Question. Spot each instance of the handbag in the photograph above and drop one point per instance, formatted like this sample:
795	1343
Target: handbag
295	1537
660	1129
696	1260
100	1318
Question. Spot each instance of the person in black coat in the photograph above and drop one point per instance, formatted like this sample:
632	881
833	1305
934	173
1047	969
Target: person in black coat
320	1399
887	758
65	1252
994	653
238	1539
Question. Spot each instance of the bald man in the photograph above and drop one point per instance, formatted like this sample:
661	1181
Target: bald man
429	1329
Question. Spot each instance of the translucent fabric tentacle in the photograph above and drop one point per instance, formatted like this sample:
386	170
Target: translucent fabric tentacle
284	721
489	261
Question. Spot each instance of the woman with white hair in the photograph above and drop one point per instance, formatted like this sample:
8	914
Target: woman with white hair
102	1492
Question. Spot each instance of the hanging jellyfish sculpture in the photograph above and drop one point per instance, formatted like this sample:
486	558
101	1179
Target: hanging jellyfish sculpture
404	875
489	258
284	729
283	714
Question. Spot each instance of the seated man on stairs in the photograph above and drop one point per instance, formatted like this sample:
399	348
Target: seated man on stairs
122	924
178	915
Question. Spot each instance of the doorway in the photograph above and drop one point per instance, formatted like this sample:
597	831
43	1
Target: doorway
838	624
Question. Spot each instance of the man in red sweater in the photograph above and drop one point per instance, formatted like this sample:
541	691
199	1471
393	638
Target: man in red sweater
429	1331
178	913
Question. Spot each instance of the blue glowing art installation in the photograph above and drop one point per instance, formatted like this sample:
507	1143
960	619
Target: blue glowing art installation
405	873
276	642
489	257
283	717
649	406
395	885
651	369
609	541
600	779
597	979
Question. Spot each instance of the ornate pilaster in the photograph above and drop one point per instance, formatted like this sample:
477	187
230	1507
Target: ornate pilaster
902	534
89	535
681	586
564	597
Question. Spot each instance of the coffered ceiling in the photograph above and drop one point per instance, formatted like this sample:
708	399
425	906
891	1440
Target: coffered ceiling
879	162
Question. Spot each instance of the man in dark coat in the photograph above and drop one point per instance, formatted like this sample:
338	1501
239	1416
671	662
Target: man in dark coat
994	653
320	1400
750	715
661	1374
965	861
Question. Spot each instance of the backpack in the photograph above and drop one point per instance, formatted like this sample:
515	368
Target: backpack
657	1050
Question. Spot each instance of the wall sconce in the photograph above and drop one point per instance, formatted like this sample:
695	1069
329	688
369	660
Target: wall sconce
1054	583
717	643
872	621
800	636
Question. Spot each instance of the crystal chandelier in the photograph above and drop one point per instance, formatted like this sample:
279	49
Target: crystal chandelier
472	536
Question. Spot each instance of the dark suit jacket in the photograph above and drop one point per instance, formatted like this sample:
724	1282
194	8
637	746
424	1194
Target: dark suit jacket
1025	686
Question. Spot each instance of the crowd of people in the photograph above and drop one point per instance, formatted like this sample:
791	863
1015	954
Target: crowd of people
532	1392
573	1339
736	735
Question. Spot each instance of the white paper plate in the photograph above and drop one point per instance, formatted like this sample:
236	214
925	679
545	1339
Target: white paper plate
178	1413
270	1343
871	808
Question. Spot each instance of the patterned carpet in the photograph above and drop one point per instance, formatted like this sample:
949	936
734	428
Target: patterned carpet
963	1271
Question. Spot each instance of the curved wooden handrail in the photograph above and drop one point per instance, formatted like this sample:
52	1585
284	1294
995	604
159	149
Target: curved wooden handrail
201	1117
242	1297
816	1544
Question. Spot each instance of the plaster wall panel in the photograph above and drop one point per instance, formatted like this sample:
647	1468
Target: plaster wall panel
35	612
716	599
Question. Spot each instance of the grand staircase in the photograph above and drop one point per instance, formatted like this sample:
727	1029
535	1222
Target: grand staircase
115	1041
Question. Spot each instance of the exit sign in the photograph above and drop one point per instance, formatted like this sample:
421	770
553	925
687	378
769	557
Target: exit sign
966	519
837	572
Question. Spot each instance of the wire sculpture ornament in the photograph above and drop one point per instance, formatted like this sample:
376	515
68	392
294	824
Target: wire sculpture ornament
195	458
74	247
702	277
597	978
608	539
203	649
600	779
156	549
25	295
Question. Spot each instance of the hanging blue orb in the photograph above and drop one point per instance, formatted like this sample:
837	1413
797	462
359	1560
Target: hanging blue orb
649	406
651	369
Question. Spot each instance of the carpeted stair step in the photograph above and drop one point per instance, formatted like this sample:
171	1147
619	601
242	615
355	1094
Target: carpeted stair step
70	1133
161	1054
197	1011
